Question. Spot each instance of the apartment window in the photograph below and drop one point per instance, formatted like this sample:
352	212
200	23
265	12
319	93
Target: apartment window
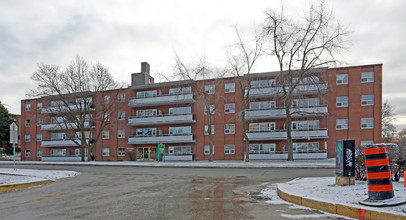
262	148
27	153
311	80
39	153
367	100
229	149
342	101
229	108
207	149
306	147
39	137
121	133
39	121
179	150
106	134
106	116
28	107
212	109
79	153
121	151
106	152
366	143
367	77
180	130
146	132
180	111
304	103
121	115
39	105
341	79
180	90
341	124
262	127
229	128
305	125
27	138
262	105
229	87
209	89
206	129
262	83
27	123
60	136
121	97
367	123
78	134
106	99
146	94
146	113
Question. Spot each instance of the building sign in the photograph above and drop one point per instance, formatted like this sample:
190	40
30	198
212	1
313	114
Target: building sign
161	150
345	158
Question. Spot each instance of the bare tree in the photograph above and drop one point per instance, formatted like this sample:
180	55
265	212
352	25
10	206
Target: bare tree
300	48
241	58
388	117
194	71
77	99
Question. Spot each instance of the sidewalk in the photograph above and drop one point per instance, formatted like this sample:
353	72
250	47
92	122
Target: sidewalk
324	195
11	179
320	163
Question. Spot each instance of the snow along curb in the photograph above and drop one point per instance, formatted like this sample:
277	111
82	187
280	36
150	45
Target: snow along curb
336	208
281	164
11	187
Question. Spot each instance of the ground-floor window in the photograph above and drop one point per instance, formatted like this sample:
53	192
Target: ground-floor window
39	153
106	152
180	150
27	153
229	149
58	152
78	152
306	147
207	149
262	148
121	151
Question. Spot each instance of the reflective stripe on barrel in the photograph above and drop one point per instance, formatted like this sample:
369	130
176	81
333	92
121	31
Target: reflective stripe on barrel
378	173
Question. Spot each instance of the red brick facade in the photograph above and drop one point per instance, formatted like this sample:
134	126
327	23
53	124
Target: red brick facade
364	98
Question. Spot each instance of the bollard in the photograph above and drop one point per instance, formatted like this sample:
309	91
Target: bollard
380	188
378	173
404	174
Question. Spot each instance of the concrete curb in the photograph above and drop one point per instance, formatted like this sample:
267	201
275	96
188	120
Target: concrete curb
340	209
11	187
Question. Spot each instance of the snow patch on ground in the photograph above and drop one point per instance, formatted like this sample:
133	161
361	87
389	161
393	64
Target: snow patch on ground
324	189
10	176
272	197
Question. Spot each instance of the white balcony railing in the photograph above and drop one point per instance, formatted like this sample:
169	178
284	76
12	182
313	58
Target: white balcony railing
281	113
62	126
161	119
60	143
161	100
60	109
307	89
183	138
282	135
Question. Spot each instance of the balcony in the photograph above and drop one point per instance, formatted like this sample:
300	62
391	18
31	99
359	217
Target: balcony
281	113
60	143
308	89
62	126
281	155
161	100
61	109
161	119
282	135
165	138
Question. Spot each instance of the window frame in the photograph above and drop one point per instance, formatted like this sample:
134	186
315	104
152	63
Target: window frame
106	134
121	133
367	77
206	129
210	89
344	81
106	152
121	97
121	151
342	124
229	129
368	124
229	90
207	151
343	103
121	116
230	107
367	102
229	151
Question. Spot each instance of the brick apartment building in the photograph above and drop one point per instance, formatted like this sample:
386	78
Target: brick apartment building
348	105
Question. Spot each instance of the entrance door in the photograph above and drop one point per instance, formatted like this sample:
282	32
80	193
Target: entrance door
146	153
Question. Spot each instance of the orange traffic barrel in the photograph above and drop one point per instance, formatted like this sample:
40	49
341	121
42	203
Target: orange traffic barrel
378	172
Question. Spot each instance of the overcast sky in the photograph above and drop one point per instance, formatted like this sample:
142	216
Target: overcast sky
122	34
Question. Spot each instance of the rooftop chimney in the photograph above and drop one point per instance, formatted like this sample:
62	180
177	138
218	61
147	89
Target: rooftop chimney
144	67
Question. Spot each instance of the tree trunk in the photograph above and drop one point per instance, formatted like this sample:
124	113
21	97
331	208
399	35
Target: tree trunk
289	132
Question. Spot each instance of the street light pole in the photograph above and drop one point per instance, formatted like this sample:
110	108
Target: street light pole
14	140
